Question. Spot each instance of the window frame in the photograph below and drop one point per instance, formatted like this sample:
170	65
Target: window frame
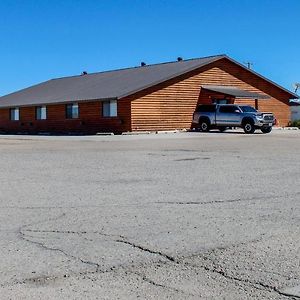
71	116
36	112
11	116
112	111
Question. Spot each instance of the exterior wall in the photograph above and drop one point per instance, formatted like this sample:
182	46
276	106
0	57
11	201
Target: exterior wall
295	113
171	105
207	97
90	120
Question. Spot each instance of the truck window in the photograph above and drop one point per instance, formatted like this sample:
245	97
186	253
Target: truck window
227	109
248	109
206	108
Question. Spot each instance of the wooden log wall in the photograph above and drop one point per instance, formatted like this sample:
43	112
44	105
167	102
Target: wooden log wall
170	105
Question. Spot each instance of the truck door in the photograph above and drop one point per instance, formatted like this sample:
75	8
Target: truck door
228	115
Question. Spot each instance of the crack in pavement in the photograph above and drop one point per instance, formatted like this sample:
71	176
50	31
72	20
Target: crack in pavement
54	277
224	201
146	204
192	158
150	281
222	272
142	248
73	232
256	284
201	202
122	239
43	245
73	206
24	237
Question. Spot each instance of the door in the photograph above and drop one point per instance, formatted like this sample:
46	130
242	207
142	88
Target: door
228	115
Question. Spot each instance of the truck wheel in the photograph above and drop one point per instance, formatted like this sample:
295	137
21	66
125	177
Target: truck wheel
248	127
266	129
204	125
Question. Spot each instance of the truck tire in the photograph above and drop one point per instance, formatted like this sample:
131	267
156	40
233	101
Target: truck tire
248	126
204	125
266	129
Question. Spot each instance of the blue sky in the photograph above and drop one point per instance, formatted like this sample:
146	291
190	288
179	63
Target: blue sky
44	39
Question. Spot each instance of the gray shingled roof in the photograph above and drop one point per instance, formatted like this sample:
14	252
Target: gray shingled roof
107	85
104	85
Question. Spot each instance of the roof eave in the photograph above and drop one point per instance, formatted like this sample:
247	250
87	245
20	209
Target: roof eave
59	102
294	96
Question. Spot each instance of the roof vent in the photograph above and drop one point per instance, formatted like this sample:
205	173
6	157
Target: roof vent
179	58
84	73
143	64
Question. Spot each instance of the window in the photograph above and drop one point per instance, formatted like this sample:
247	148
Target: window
72	111
220	101
15	114
41	112
206	108
228	109
248	109
110	108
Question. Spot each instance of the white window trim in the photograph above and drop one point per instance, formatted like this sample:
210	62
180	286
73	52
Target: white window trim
72	111
16	111
113	111
45	110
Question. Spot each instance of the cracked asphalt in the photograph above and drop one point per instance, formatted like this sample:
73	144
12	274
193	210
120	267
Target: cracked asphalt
167	216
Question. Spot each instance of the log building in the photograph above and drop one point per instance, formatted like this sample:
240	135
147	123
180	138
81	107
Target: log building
146	98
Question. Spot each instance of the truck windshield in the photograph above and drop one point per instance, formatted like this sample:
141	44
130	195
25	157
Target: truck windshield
248	109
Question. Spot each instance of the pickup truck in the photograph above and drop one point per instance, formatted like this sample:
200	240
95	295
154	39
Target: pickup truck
222	116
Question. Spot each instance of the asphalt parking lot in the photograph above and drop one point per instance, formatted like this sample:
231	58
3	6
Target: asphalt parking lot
166	216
